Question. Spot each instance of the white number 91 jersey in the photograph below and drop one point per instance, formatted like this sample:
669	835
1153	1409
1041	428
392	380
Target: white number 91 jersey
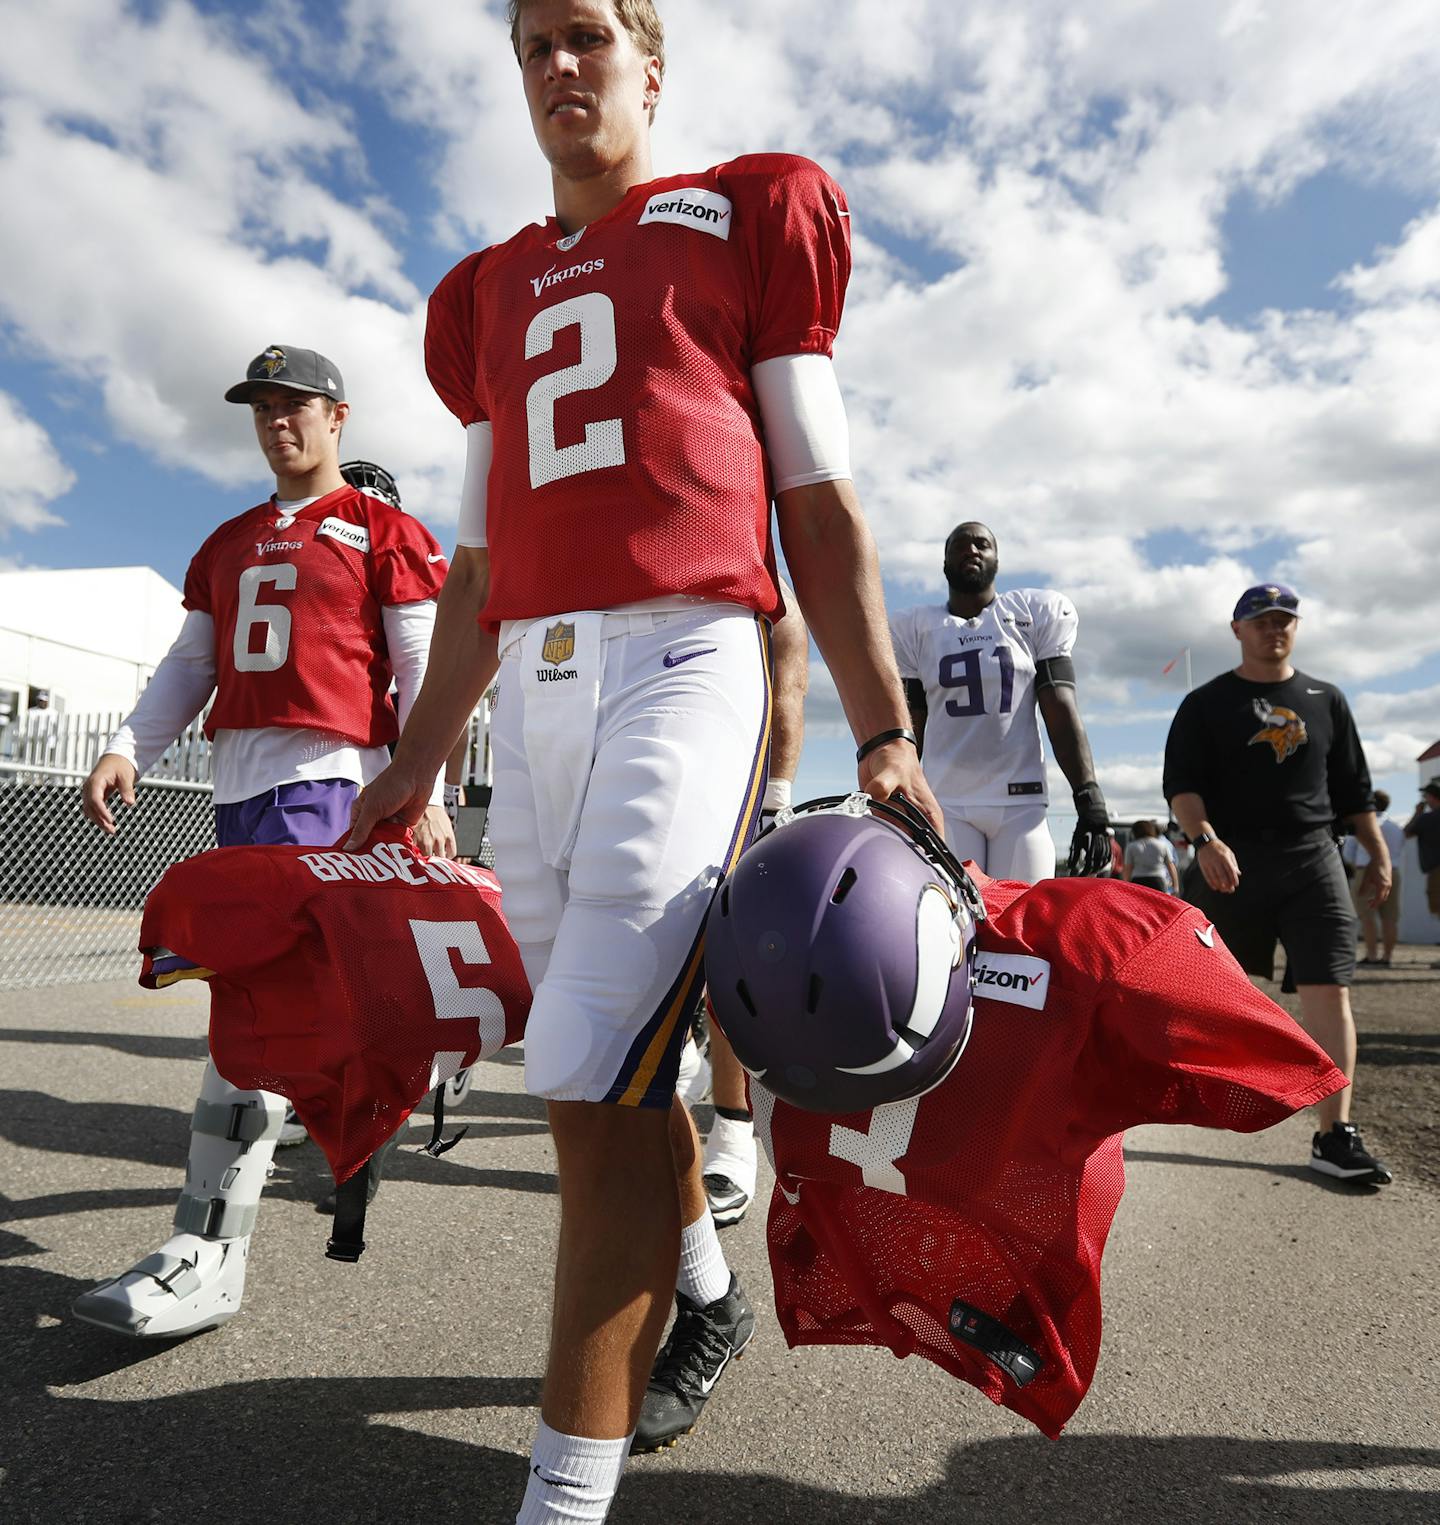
982	731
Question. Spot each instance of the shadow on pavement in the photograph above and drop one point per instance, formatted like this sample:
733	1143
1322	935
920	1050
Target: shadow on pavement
1382	1049
142	1045
1359	1189
327	1449
60	1203
151	1135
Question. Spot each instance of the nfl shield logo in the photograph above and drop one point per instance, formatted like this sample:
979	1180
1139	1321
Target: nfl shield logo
559	643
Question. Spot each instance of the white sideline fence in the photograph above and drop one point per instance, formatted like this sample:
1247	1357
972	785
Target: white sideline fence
70	896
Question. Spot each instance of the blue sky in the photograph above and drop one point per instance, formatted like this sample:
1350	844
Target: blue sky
1150	291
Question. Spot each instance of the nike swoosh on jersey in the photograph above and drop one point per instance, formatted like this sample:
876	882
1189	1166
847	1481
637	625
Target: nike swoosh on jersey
1208	935
1314	690
440	557
671	660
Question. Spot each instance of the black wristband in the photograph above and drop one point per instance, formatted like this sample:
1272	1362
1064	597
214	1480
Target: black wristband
884	738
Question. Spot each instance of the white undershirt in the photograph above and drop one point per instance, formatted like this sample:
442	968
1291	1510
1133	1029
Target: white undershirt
807	438
250	762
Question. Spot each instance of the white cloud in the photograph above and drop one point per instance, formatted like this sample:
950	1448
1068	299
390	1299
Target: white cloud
34	474
1038	191
175	193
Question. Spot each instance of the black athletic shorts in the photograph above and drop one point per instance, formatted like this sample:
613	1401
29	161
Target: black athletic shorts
1293	891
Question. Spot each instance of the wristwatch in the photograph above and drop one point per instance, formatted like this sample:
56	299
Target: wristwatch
1203	840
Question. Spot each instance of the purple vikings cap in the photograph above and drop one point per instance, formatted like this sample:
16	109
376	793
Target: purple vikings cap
1264	597
839	957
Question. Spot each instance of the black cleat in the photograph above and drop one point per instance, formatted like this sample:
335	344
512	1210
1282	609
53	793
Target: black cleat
1340	1153
728	1202
702	1342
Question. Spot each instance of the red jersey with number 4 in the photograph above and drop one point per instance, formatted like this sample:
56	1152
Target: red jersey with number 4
296	601
614	366
351	983
967	1225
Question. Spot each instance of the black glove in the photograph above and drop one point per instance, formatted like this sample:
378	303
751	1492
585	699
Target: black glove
1090	846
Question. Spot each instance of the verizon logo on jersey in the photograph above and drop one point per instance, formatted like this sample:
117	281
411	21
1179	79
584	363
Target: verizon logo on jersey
1013	977
342	529
691	207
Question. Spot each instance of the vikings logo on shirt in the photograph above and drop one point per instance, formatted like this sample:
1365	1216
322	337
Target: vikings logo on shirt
559	643
1281	728
272	362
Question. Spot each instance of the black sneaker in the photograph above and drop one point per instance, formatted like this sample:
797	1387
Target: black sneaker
728	1202
1341	1153
701	1344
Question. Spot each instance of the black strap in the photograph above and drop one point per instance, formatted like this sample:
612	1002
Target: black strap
435	1148
347	1234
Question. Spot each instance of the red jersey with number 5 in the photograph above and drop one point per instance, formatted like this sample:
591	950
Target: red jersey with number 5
967	1225
614	366
350	983
296	601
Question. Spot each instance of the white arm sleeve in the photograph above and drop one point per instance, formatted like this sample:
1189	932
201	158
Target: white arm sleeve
174	696
806	435
479	451
408	628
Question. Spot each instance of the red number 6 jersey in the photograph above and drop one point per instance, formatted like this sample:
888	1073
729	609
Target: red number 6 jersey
296	600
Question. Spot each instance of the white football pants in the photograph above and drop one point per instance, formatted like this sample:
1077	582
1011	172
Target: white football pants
623	793
1004	841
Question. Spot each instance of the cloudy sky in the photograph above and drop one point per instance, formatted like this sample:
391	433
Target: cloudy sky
1153	288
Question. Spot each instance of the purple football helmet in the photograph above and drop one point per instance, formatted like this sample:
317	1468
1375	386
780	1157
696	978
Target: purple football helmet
840	953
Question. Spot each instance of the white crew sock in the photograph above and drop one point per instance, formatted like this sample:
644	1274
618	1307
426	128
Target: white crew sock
571	1477
704	1277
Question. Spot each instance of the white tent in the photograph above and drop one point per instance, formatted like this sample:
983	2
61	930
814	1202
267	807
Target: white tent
91	636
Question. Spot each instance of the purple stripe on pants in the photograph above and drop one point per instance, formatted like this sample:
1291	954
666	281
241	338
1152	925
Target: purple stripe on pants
312	812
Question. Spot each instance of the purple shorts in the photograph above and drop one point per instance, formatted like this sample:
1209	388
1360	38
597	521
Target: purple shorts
312	812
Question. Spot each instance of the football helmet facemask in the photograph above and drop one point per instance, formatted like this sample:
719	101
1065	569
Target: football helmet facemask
375	480
840	955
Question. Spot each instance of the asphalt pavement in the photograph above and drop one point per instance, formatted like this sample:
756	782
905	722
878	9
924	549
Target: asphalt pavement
1271	1340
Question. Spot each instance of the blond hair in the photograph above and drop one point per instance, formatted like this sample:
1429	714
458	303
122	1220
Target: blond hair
639	18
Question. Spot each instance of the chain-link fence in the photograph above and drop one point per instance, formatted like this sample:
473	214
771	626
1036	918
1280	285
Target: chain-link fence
71	896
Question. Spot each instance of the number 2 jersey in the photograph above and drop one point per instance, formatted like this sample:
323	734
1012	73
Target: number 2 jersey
614	367
296	601
982	727
350	983
967	1225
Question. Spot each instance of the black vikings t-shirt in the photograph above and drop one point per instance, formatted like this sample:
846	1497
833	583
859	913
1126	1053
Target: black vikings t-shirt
1280	757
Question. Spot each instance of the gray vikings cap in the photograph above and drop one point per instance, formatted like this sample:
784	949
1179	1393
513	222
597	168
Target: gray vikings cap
282	365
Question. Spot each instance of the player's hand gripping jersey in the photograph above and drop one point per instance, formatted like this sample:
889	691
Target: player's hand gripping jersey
967	1224
296	600
982	729
350	983
614	366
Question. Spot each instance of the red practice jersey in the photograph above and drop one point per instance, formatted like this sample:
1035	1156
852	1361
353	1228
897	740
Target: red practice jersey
296	602
614	366
350	983
967	1225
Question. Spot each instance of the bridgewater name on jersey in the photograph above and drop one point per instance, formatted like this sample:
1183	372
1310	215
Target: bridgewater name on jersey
614	367
349	983
982	727
967	1224
296	600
